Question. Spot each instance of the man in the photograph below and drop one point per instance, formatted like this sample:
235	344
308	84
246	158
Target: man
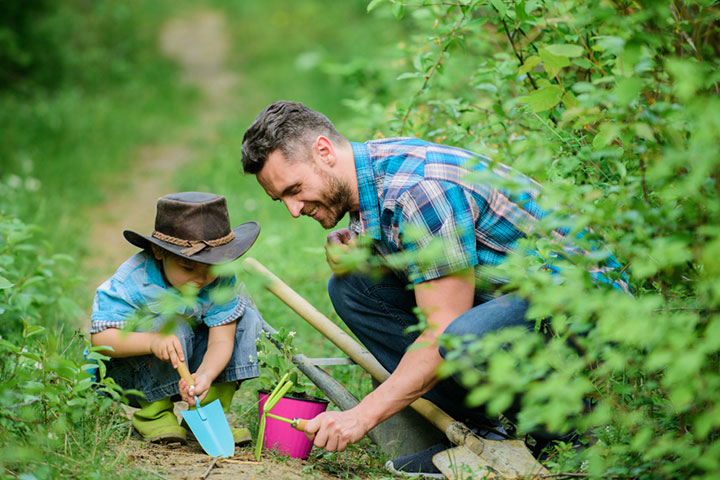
406	195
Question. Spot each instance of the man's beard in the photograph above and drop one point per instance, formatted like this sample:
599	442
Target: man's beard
337	201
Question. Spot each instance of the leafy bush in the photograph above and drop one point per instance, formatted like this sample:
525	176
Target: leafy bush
49	405
613	106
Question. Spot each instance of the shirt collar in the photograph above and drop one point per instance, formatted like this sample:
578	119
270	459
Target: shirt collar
367	191
153	274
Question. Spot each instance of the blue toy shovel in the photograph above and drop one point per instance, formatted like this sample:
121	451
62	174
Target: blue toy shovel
208	423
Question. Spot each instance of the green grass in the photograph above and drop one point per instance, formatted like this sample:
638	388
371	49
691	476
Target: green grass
68	146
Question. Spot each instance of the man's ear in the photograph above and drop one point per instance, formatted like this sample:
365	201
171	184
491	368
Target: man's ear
325	150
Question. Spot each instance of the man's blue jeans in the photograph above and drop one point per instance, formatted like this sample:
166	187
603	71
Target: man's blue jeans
379	311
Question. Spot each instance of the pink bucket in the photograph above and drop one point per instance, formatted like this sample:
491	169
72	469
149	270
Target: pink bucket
280	435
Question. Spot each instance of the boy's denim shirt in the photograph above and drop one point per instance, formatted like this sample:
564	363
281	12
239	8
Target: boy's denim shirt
138	285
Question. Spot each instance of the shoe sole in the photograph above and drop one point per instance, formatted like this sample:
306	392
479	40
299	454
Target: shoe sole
167	438
391	468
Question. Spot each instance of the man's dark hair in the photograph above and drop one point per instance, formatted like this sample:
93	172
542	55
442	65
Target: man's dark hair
284	125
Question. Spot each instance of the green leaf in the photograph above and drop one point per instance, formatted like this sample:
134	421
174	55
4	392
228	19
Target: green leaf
530	63
530	6
33	330
606	134
627	89
643	130
687	75
553	63
565	50
406	75
398	10
544	98
5	283
500	7
371	6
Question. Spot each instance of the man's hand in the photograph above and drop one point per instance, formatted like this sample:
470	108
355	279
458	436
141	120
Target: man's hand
338	243
201	387
167	348
442	300
333	431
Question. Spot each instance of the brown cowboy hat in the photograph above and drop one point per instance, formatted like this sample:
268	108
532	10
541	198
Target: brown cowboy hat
196	226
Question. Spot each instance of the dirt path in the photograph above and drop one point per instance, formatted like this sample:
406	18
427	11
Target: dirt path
199	43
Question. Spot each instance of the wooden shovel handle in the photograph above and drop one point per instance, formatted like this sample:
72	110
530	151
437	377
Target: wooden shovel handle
185	374
299	424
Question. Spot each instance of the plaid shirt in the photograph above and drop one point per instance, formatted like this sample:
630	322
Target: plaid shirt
417	197
138	285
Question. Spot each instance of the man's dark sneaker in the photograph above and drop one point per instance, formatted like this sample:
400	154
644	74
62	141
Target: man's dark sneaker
417	464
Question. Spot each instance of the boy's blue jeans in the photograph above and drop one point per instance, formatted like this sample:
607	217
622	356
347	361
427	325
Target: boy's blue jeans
379	311
158	379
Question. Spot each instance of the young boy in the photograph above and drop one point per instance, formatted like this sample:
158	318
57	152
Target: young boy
192	233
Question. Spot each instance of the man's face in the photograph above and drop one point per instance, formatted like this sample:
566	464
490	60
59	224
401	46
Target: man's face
307	187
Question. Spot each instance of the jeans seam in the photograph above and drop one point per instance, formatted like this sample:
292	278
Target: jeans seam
370	291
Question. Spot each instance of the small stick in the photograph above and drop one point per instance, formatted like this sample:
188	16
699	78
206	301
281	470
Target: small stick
243	462
212	465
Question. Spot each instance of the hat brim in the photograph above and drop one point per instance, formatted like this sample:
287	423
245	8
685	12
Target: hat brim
245	236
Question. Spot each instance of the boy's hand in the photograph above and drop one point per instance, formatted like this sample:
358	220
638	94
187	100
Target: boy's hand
201	387
168	348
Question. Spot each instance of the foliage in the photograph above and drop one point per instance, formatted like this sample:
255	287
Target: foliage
275	353
612	105
81	85
49	403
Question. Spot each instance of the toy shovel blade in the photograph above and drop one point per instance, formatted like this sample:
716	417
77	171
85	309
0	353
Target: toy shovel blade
208	423
213	431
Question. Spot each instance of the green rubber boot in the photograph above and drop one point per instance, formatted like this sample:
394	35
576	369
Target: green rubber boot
224	392
156	422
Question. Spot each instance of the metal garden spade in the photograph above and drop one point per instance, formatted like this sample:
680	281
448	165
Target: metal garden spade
208	423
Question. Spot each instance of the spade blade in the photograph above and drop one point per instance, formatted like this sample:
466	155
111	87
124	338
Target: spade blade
211	429
500	459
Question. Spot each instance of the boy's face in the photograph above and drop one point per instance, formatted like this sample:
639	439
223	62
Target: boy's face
180	271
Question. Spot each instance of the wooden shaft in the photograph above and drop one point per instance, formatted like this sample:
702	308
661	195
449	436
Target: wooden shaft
319	321
342	340
182	369
299	424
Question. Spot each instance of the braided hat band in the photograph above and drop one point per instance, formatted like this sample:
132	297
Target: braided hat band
194	246
196	226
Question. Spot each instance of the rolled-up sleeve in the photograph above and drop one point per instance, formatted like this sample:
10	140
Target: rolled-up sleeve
230	311
112	307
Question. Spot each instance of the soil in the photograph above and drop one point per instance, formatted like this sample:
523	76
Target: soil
198	41
186	462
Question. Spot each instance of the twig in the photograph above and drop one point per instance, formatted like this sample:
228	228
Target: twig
16	419
621	272
125	443
155	473
209	469
25	403
564	475
430	72
69	344
519	57
675	13
242	462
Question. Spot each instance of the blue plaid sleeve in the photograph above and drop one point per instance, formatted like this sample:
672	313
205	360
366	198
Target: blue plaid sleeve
436	223
112	307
